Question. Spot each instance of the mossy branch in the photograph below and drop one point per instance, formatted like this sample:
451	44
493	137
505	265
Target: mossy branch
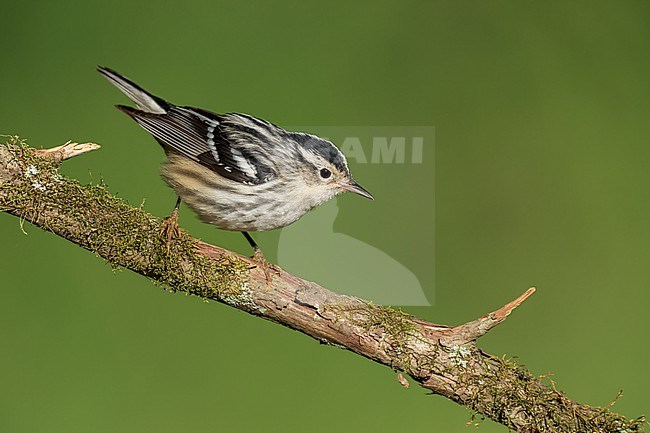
442	359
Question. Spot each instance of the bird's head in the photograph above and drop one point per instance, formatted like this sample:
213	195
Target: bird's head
325	169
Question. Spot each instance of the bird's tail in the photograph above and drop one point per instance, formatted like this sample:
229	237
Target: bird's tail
143	99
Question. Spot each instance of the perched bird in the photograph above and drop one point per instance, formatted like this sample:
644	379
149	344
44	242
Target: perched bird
236	171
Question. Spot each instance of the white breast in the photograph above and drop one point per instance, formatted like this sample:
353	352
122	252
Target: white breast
231	205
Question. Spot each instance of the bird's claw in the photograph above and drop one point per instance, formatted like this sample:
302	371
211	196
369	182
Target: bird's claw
262	263
169	229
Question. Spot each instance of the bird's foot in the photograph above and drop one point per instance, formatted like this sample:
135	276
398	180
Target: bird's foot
262	263
169	229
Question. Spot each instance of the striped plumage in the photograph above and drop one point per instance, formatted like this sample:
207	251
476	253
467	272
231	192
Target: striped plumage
236	171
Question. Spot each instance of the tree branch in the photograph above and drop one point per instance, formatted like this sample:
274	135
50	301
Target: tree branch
442	359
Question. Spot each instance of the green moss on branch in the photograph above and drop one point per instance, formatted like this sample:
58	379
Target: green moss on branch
32	188
441	359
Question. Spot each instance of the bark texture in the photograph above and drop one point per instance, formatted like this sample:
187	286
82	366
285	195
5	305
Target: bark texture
442	359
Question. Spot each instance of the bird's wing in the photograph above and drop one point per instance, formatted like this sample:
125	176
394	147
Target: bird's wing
219	142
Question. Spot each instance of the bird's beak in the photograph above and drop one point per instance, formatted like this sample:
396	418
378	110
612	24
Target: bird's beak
354	187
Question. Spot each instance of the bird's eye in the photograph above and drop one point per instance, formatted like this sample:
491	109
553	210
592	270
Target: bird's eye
325	173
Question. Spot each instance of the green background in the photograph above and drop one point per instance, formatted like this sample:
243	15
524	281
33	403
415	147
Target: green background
541	178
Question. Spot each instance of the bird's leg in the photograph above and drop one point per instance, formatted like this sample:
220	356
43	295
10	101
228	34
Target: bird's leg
169	227
258	257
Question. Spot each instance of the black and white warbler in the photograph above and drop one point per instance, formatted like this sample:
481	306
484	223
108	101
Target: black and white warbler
236	171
